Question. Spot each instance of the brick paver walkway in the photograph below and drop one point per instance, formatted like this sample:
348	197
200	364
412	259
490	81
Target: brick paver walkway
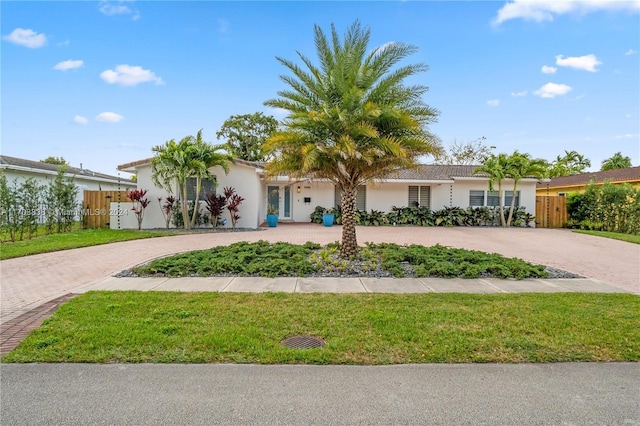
12	332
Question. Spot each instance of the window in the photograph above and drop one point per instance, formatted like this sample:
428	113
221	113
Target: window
476	198
493	199
206	186
562	194
420	196
507	198
361	197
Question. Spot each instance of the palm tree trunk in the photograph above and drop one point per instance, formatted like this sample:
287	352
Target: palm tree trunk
513	204
501	204
184	207
349	246
196	203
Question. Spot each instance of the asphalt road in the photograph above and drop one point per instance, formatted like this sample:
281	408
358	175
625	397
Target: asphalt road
463	394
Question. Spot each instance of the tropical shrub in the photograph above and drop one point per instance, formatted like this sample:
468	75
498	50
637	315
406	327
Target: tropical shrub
167	208
140	203
422	216
215	205
201	217
606	207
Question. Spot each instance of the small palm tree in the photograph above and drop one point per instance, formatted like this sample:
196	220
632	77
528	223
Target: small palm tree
176	162
495	167
351	119
518	167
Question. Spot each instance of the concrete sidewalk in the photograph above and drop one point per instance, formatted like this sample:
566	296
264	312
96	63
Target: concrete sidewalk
353	285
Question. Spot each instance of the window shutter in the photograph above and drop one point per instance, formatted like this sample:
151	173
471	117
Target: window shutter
425	196
508	195
476	198
361	198
413	196
493	200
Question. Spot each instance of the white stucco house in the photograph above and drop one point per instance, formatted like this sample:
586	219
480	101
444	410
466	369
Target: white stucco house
435	186
84	179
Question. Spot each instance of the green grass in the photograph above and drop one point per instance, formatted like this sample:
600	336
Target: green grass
366	329
70	240
283	259
635	239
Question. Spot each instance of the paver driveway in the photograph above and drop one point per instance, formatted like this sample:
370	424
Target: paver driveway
32	280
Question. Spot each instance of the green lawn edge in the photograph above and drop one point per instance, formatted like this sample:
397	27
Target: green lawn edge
75	239
359	329
635	239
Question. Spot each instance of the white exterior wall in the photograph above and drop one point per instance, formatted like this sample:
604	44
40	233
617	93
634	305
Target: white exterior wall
383	196
322	193
153	217
460	194
440	195
244	179
246	182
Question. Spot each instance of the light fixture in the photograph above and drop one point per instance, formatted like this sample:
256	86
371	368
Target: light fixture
298	189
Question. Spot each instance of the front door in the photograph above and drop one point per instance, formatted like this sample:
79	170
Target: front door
279	198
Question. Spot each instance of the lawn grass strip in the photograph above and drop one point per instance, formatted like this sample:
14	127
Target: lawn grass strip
364	329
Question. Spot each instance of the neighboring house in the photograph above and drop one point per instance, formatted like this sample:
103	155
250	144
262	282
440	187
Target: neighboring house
577	183
434	186
21	169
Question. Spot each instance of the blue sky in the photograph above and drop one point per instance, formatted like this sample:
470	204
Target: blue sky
100	83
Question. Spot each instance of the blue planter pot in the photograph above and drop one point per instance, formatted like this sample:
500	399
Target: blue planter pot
272	220
327	219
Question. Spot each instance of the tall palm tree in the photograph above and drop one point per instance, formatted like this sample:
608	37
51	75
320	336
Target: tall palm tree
175	162
351	118
495	167
519	166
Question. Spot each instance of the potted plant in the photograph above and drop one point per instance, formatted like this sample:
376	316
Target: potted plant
328	217
272	217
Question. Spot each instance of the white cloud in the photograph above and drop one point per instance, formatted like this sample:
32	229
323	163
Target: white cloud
127	75
109	117
548	70
78	119
630	52
493	102
27	38
546	10
551	90
628	136
519	94
586	62
68	65
118	8
279	112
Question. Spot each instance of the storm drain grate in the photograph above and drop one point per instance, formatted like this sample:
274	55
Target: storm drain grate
303	342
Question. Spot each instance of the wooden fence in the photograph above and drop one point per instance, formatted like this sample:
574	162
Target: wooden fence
96	207
551	211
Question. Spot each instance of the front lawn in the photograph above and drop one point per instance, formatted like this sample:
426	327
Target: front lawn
70	240
283	259
366	329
